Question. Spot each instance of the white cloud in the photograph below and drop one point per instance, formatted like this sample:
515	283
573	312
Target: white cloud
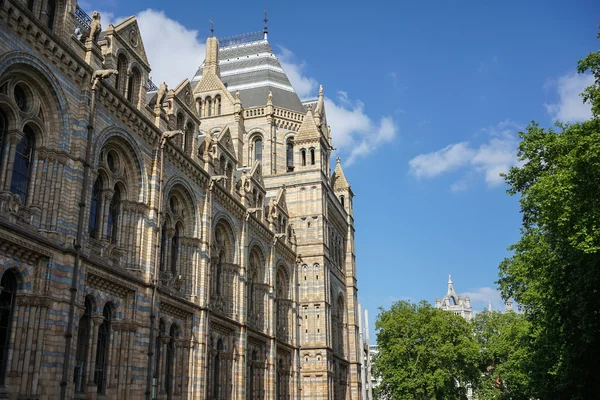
353	131
490	158
570	106
174	52
304	86
483	296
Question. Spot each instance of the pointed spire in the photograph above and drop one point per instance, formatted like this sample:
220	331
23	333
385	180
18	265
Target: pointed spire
308	129
265	30
212	27
319	108
338	179
489	306
211	62
449	279
450	284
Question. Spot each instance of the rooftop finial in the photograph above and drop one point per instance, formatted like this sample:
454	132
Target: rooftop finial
265	31
212	28
338	160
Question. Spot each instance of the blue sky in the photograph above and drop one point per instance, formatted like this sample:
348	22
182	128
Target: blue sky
424	98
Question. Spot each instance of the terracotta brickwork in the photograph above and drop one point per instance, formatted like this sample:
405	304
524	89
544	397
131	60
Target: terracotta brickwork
147	250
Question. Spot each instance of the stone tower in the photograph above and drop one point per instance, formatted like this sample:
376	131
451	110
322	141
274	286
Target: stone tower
455	303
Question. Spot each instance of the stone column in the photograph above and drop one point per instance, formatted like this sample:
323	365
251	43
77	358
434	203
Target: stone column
97	320
103	234
163	376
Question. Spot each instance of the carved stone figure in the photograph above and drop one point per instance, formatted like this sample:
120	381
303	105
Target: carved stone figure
162	91
13	204
102	74
237	96
270	98
95	27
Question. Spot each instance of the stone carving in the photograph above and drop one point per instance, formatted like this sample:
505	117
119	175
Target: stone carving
102	74
270	98
162	92
237	96
13	204
95	27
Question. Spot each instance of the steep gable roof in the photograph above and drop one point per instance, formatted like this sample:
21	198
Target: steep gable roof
308	130
338	179
129	32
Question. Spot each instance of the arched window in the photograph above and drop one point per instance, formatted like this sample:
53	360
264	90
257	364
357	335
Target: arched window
303	155
7	308
188	136
133	86
113	216
222	164
30	4
251	376
278	384
83	339
122	75
312	156
170	359
102	348
3	135
289	155
175	249
258	149
50	13
180	121
218	101
95	209
23	164
342	201
209	106
229	174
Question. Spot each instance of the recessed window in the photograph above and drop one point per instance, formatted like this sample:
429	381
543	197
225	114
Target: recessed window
112	160
174	205
20	97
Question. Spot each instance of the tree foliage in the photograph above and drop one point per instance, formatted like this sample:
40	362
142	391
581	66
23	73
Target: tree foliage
554	272
424	353
505	361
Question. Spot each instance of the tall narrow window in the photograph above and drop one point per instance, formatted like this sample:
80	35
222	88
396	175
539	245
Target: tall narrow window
7	306
217	370
113	216
30	4
102	348
218	100
133	86
209	106
289	155
95	209
219	274
23	163
312	156
50	13
3	135
163	245
258	150
175	250
342	201
303	155
83	339
199	107
170	358
157	360
122	75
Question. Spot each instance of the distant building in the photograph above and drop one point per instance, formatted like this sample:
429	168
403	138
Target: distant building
455	303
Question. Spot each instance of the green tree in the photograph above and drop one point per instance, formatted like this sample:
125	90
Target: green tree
505	361
424	353
554	272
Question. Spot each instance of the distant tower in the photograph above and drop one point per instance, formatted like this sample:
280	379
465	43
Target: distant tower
454	303
508	306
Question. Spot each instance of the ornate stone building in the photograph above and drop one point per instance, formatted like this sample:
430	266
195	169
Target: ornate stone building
455	303
166	243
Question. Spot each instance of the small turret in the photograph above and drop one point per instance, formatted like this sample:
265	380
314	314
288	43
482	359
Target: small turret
211	64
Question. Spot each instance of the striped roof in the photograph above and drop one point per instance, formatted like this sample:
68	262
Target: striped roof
252	68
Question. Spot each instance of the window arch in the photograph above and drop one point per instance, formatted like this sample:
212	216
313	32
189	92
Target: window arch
209	106
122	75
7	308
30	4
114	211
303	156
188	137
95	209
218	104
133	85
258	149
312	156
342	201
102	350
163	248
255	273
83	339
216	389
22	164
289	155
